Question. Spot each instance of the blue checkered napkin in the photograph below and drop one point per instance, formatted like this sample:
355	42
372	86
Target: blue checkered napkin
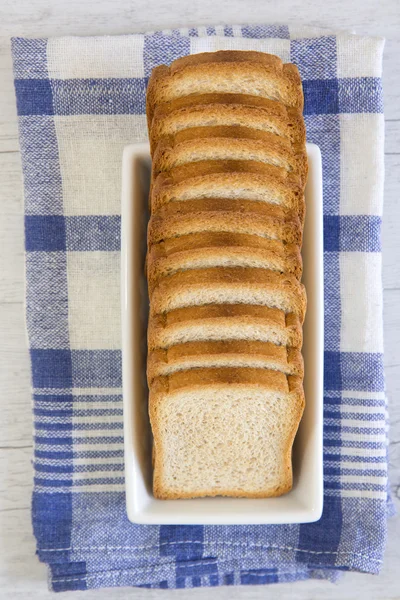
80	101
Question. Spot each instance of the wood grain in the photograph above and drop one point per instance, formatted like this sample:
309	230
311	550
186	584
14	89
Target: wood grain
21	575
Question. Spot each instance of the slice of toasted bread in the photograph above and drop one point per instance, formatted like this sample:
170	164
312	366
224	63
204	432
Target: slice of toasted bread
224	322
229	285
244	207
246	180
227	110
224	431
199	251
272	80
288	231
242	353
229	144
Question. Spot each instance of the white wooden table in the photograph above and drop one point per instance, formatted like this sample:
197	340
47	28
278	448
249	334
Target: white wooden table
21	575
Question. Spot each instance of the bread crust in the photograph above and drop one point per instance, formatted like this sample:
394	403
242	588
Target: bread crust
233	110
273	81
201	144
226	322
248	180
221	250
212	285
285	230
233	353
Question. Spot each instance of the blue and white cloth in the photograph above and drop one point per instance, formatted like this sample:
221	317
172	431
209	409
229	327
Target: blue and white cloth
80	101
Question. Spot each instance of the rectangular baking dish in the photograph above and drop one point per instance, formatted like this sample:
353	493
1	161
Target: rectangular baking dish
303	504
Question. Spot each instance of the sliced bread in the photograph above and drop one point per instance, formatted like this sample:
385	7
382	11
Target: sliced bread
245	180
233	110
230	285
266	79
224	431
237	205
160	229
242	353
228	143
196	251
224	322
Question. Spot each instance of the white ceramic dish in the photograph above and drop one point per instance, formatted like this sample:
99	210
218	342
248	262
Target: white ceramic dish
304	503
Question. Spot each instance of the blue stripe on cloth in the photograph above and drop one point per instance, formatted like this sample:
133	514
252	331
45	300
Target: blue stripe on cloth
47	441
29	58
185	542
354	371
40	165
339	401
318	542
196	569
34	97
50	412
76	399
71	455
52	524
360	95
315	57
68	577
51	368
356	459
61	427
98	96
324	130
70	468
96	368
163	49
321	96
213	580
259	576
45	233
228	31
266	31
352	233
68	483
93	233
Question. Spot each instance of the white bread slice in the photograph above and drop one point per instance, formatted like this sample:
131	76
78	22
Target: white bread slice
224	431
228	143
267	78
246	180
195	251
160	229
224	322
232	110
242	353
229	285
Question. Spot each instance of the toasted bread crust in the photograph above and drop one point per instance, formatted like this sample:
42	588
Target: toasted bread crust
198	250
212	285
234	353
272	80
230	144
224	322
288	231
